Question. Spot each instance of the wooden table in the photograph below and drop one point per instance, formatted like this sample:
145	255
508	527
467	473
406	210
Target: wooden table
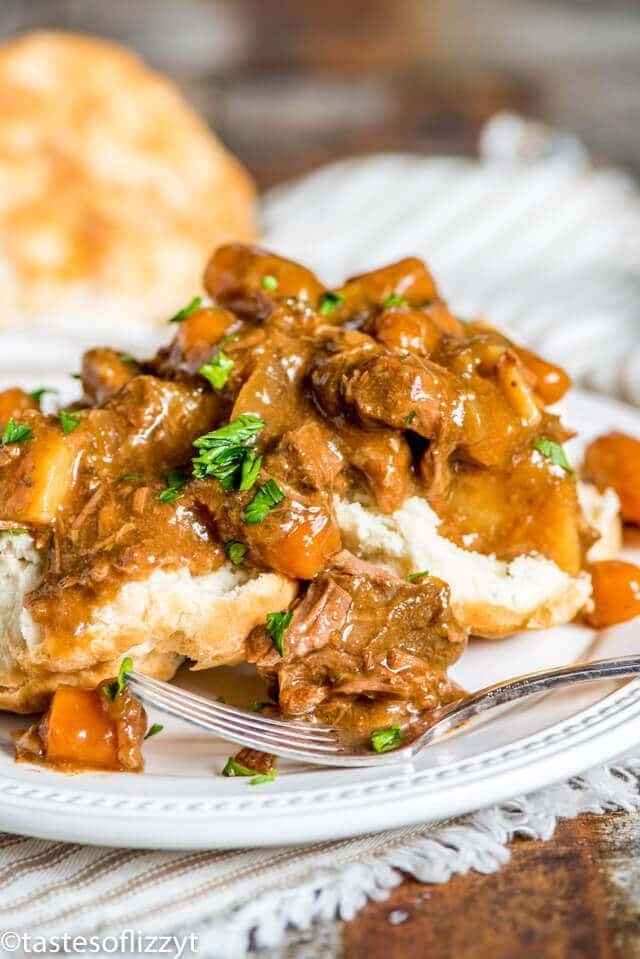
575	897
292	84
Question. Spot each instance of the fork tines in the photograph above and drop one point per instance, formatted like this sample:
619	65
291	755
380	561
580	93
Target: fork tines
298	740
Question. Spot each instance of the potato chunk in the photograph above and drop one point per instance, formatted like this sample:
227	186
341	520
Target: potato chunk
36	474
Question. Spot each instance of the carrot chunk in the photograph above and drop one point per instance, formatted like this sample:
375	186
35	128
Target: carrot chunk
80	731
551	381
616	593
614	460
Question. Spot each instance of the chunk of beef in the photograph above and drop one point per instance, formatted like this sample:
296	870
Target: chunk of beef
312	455
361	631
256	760
321	613
379	387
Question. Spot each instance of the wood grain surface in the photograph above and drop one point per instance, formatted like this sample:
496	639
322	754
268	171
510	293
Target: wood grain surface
292	84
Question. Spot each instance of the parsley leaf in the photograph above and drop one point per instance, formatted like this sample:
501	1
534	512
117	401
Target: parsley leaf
414	577
175	481
263	502
410	417
330	301
236	551
226	454
234	768
217	370
256	705
38	394
16	433
269	282
68	421
382	740
131	478
16	531
229	338
554	452
153	730
394	299
250	470
263	778
111	690
127	358
277	625
187	310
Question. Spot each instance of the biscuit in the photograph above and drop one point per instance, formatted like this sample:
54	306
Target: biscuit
112	190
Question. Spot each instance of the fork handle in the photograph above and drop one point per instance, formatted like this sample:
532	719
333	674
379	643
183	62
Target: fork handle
519	687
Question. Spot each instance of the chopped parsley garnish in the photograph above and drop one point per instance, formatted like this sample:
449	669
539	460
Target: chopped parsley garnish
263	778
394	299
277	625
382	740
330	301
175	481
187	310
229	338
256	705
131	478
234	768
226	454
414	577
554	452
68	421
16	433
153	730
127	358
236	551
38	394
263	502
410	417
75	376
269	282
111	690
17	530
220	699
217	370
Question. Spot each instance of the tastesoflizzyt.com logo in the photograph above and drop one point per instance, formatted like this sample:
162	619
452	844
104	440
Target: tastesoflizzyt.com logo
129	942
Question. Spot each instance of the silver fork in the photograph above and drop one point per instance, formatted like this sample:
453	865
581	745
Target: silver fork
331	746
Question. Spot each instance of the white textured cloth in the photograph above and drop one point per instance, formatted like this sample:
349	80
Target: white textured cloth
532	237
539	242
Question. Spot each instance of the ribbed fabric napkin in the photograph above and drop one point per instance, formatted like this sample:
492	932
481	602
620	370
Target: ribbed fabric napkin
542	244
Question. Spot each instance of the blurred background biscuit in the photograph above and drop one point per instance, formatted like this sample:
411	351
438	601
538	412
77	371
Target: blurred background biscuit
112	190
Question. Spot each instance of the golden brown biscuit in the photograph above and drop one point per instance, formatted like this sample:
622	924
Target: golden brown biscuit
112	190
158	621
489	597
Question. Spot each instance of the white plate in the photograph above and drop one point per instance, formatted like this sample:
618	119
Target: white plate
181	801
